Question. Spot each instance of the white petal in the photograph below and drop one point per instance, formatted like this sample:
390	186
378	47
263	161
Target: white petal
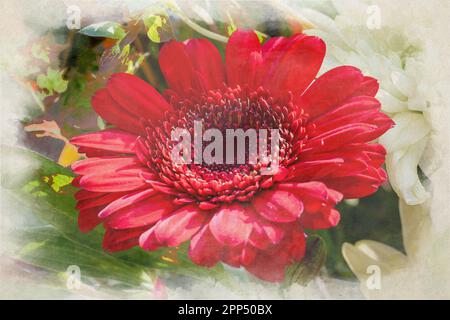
402	170
354	9
389	103
365	256
322	21
357	260
366	253
409	128
382	253
416	227
404	83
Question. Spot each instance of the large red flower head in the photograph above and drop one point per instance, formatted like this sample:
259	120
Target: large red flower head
231	213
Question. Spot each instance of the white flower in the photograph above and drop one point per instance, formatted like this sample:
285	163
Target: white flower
395	56
386	273
408	56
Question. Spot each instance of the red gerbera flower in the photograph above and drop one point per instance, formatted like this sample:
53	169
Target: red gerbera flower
232	214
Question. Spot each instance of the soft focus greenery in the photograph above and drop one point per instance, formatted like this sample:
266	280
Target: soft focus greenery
57	243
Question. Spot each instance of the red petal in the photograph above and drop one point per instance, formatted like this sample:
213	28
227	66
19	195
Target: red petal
369	87
350	133
274	47
354	159
319	202
272	51
113	181
296	245
102	200
232	256
297	66
125	201
268	266
265	233
328	167
324	219
180	226
248	255
96	153
330	89
141	150
354	110
372	154
178	69
76	182
306	170
148	241
314	195
205	250
137	97
104	164
110	140
84	194
207	62
231	225
242	53
278	206
109	174
360	185
118	240
143	213
113	113
88	219
375	152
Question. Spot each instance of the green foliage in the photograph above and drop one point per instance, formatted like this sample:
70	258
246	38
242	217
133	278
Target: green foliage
81	64
375	218
50	250
231	26
311	264
52	81
154	24
107	29
58	243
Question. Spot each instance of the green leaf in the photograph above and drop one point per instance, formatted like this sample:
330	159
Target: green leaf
158	30
48	194
101	123
260	36
107	29
311	264
52	81
231	26
58	181
48	249
125	52
42	81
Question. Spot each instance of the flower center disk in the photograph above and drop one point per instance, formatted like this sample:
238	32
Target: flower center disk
232	108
